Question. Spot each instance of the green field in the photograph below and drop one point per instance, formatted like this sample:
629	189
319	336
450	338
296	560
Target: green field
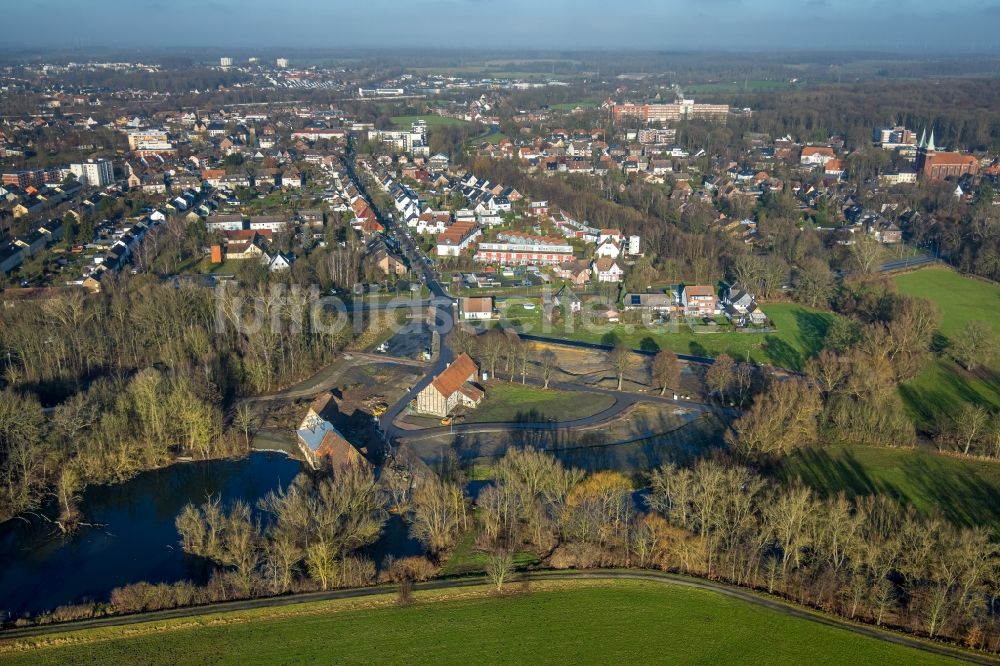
490	137
432	120
736	87
960	298
569	106
609	623
800	333
966	492
943	385
507	401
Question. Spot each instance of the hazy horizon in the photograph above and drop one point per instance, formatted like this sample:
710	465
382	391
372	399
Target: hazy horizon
907	26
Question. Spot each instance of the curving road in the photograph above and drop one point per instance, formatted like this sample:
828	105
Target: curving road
622	401
758	599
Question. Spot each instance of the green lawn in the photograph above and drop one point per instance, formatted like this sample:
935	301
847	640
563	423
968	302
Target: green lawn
491	137
432	120
960	298
569	106
613	623
966	492
507	401
465	560
800	333
943	386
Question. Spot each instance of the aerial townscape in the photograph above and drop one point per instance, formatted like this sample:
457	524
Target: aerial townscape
558	343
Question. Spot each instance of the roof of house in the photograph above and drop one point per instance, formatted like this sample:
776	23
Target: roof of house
321	402
455	375
817	150
477	304
699	290
456	233
605	264
335	448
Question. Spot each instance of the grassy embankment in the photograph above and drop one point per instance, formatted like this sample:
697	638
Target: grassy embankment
607	622
799	335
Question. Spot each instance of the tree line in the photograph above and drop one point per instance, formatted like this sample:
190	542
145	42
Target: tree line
866	558
139	374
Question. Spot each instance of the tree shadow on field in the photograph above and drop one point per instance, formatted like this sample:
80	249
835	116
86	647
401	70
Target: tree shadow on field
829	474
960	493
697	349
648	344
939	343
781	353
813	327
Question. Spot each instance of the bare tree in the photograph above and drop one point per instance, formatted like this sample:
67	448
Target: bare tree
246	420
666	370
621	361
491	349
438	514
866	252
499	566
783	418
719	377
547	364
974	345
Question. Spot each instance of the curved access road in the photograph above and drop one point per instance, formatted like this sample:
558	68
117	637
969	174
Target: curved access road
622	401
771	603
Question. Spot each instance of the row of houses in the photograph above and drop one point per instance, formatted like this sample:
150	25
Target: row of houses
27	245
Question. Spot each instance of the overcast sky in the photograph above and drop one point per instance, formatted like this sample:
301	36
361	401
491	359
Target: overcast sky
900	25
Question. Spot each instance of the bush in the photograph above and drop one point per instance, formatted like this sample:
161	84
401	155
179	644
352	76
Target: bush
408	568
582	556
356	572
73	612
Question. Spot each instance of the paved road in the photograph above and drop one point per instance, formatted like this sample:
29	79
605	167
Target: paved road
622	401
770	603
328	377
441	302
912	262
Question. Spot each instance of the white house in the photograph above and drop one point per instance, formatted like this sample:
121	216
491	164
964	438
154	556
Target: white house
477	307
607	269
608	248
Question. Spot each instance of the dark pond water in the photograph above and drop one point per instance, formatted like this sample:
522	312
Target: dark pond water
138	540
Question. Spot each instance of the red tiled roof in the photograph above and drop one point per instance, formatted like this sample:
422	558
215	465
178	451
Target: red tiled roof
699	290
455	375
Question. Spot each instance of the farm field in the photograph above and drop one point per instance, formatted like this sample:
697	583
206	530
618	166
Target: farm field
569	106
944	386
507	401
800	333
432	120
606	622
736	86
966	492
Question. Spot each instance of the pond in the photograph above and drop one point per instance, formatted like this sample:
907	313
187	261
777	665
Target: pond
137	540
